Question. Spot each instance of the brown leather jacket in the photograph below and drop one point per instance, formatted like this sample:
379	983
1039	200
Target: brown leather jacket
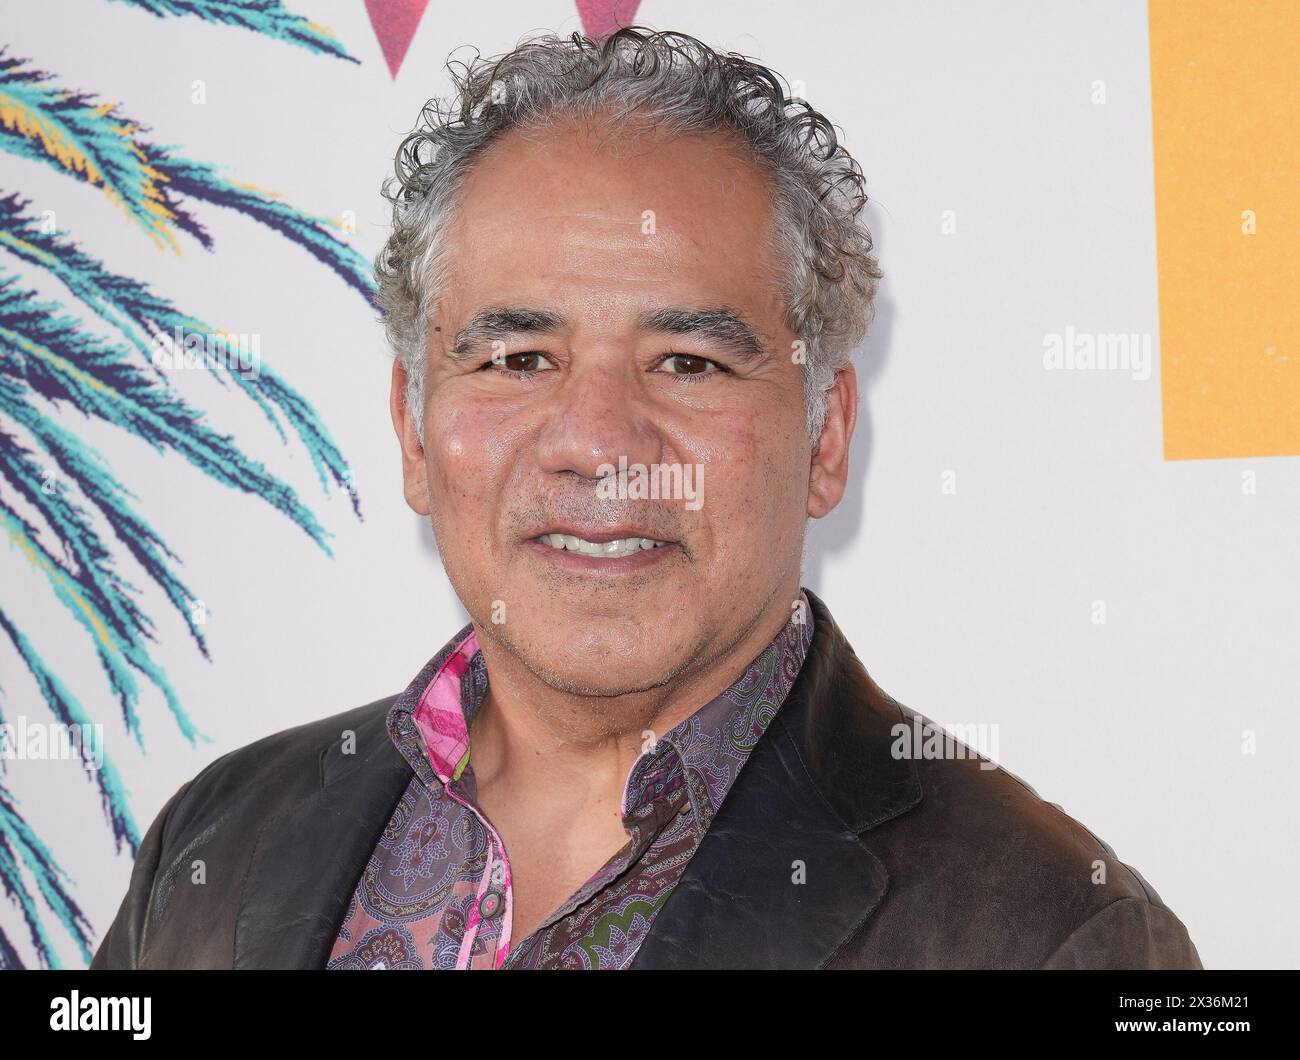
828	852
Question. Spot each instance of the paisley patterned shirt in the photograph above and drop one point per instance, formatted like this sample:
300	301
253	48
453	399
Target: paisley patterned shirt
436	892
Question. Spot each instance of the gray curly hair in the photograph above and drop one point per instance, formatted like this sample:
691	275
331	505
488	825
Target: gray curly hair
674	81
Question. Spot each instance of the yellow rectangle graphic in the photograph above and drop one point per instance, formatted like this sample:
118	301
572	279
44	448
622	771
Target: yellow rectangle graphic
1225	96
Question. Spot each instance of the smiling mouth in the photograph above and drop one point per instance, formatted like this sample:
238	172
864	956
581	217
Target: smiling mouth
618	548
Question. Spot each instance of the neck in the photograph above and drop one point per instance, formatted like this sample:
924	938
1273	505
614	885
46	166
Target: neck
531	735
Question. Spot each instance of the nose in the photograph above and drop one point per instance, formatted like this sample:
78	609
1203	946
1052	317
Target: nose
598	416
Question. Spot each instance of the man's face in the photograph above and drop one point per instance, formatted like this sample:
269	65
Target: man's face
605	305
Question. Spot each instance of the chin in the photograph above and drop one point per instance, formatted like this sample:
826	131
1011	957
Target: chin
599	659
577	681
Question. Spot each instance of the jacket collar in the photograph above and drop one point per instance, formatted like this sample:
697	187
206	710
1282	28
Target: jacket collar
781	878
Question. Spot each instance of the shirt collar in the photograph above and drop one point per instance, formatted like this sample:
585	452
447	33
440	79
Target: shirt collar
430	721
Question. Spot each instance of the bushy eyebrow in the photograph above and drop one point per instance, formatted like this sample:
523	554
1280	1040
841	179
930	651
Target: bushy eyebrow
501	322
719	325
716	324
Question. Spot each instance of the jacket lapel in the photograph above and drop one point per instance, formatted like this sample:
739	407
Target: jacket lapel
307	861
782	878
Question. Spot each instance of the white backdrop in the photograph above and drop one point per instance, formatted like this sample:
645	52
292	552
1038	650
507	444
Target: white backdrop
972	607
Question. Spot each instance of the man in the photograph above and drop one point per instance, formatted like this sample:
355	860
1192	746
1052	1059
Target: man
615	266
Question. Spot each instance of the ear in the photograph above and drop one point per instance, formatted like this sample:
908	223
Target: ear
415	474
830	460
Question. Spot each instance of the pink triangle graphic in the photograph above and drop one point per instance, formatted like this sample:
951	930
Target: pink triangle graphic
394	22
600	18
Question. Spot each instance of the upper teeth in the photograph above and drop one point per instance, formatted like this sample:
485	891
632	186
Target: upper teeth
623	546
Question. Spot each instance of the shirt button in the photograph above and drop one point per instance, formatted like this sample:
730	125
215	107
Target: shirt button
490	905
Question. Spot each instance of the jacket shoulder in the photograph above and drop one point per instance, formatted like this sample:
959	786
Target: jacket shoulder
300	742
1012	879
213	817
294	756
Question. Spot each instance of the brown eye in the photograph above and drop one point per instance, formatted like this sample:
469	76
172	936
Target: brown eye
521	362
526	363
687	364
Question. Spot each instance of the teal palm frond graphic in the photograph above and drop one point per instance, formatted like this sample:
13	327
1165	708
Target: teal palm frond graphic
267	17
63	509
93	142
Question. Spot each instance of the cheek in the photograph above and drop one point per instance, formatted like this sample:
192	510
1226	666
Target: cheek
471	448
458	457
757	483
756	458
